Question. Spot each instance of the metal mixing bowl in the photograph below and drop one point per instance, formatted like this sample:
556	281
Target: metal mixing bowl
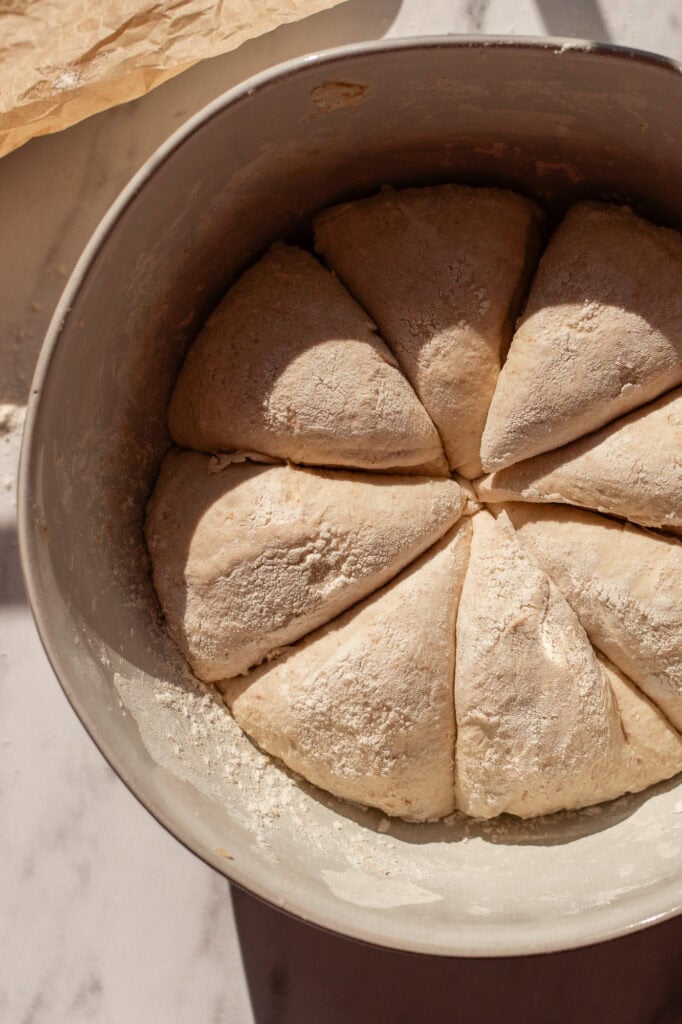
556	120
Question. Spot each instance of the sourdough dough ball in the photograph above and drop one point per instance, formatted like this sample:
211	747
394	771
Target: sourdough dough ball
430	645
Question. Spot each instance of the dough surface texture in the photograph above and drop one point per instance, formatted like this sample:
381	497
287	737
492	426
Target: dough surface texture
623	583
537	728
251	558
651	748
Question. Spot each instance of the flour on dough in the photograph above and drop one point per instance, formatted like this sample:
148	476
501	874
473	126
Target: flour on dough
601	334
441	271
624	584
251	558
363	707
630	468
290	366
652	748
537	728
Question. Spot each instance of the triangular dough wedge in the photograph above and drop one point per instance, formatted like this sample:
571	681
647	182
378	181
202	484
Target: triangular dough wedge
625	585
441	271
363	708
290	366
652	748
536	722
601	334
630	468
251	558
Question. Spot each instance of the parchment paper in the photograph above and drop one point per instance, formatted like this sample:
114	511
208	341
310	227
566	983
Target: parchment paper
62	60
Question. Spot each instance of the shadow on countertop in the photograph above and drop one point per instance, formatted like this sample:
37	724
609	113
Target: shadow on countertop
581	19
11	580
297	974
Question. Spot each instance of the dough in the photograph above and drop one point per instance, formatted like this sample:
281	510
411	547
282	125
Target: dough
651	749
601	334
363	707
630	468
290	366
537	727
623	582
386	635
251	558
440	270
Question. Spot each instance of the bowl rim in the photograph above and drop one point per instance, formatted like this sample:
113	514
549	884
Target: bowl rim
500	940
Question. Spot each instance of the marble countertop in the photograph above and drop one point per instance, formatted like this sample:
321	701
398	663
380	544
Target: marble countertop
105	918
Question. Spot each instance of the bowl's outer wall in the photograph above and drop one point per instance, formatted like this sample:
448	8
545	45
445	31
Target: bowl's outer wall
550	121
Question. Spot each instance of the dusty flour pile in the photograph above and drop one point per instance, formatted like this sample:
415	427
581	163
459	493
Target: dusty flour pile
187	729
11	418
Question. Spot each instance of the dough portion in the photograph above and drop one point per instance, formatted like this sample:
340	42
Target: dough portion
652	748
251	558
441	271
630	468
623	583
537	728
290	366
363	708
601	334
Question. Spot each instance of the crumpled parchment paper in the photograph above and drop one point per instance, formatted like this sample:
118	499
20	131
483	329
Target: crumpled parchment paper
62	60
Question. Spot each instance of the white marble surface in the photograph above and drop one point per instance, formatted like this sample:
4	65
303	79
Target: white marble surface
104	918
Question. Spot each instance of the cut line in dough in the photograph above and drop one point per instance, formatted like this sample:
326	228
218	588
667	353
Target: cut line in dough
441	271
601	334
631	468
537	728
623	582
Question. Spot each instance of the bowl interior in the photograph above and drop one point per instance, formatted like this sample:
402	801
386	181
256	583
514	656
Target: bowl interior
554	121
